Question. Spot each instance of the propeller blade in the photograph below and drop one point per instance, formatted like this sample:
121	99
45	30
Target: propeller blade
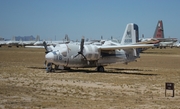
82	45
45	46
84	57
76	55
81	55
81	49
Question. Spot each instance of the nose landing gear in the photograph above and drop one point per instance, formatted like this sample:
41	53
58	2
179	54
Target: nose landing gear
51	67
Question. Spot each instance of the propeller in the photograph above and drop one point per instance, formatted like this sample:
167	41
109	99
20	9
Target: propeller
81	49
47	65
45	46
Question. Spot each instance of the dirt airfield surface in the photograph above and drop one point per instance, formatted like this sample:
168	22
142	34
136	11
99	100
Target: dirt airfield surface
24	83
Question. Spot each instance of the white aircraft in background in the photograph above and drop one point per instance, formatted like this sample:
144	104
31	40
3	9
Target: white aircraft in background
12	42
29	43
65	40
73	55
177	44
2	42
148	40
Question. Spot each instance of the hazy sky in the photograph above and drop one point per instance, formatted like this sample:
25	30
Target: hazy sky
89	18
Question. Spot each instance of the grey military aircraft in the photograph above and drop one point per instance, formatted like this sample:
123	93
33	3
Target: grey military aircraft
79	55
159	37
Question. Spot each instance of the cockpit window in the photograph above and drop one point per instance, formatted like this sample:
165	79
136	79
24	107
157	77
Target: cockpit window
54	53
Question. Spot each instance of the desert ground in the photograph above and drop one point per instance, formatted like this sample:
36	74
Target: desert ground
24	83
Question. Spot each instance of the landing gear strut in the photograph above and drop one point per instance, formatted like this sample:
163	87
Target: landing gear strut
49	67
100	69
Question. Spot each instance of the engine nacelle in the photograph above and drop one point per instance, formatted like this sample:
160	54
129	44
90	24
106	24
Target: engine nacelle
91	52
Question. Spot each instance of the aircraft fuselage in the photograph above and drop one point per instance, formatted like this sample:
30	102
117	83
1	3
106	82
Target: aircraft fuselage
65	55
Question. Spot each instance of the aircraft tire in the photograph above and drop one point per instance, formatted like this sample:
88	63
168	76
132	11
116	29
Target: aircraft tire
49	68
100	69
56	67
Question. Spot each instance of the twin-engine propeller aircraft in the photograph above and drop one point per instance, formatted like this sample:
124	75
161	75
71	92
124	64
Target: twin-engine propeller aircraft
79	55
74	55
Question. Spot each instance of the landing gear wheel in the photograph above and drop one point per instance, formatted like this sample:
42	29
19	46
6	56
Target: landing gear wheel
100	69
56	67
49	67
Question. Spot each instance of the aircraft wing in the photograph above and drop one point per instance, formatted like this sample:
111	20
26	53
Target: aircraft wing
167	39
126	46
34	46
149	41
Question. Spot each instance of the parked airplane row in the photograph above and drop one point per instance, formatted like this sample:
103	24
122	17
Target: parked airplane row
159	37
36	42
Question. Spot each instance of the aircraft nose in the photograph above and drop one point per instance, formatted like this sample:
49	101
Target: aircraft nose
49	57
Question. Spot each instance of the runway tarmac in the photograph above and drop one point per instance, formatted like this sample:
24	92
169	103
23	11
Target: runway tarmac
24	83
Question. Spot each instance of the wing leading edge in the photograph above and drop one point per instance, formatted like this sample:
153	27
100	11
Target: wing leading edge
125	46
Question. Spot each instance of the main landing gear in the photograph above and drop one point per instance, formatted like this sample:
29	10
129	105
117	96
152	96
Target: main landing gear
100	69
50	67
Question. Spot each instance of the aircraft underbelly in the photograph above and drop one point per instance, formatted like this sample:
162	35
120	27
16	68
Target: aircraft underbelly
109	60
77	63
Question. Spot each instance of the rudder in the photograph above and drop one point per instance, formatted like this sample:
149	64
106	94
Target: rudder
159	31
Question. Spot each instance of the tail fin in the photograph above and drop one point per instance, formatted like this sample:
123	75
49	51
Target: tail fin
131	34
37	38
66	38
159	31
13	38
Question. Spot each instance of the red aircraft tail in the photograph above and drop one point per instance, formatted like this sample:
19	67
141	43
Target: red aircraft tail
159	32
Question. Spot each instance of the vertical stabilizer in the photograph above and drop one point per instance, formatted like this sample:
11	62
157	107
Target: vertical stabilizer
13	38
66	38
37	38
131	34
159	31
